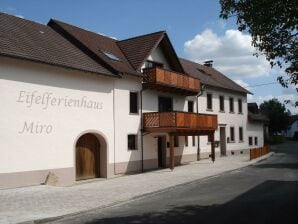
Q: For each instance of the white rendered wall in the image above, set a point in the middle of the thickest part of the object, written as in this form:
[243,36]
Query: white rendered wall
[158,56]
[255,129]
[126,123]
[25,149]
[225,119]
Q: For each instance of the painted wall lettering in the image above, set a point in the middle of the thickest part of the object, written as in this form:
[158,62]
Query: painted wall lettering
[35,128]
[48,99]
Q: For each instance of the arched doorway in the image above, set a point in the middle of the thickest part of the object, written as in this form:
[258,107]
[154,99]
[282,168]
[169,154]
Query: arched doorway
[87,157]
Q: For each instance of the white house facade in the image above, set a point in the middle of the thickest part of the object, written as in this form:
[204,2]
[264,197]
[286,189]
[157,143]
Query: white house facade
[80,105]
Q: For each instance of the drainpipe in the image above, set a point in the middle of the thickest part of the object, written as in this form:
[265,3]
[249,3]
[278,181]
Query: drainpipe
[114,128]
[142,141]
[199,94]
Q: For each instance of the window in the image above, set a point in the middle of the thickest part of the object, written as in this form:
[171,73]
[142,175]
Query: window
[250,141]
[190,106]
[153,64]
[209,101]
[186,141]
[221,103]
[165,104]
[176,141]
[240,134]
[231,99]
[232,134]
[132,142]
[209,138]
[240,106]
[111,56]
[256,140]
[193,140]
[133,103]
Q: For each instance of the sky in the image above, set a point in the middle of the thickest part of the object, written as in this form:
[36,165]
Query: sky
[194,27]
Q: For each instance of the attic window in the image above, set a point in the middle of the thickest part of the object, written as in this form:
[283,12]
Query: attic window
[111,56]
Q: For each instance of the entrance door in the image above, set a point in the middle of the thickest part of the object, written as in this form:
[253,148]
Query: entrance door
[161,151]
[165,104]
[223,145]
[87,157]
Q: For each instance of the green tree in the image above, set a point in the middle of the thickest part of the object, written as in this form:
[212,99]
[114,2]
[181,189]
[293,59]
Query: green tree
[278,115]
[273,25]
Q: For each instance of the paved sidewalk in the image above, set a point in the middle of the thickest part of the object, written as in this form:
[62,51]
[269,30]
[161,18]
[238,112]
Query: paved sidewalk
[39,202]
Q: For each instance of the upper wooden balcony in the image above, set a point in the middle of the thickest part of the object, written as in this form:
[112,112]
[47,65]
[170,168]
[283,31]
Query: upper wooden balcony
[182,122]
[169,81]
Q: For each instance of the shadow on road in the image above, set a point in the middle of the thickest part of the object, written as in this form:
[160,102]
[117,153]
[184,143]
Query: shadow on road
[278,165]
[270,202]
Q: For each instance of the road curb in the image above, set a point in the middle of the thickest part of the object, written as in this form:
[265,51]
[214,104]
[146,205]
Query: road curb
[57,218]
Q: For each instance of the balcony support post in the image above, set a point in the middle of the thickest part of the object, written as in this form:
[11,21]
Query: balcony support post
[172,156]
[212,147]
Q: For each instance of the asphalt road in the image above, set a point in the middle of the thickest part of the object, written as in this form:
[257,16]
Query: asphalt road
[266,192]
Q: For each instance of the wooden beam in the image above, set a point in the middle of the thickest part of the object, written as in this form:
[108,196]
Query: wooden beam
[212,147]
[172,156]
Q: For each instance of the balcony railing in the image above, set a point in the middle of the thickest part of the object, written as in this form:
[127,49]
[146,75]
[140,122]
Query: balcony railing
[179,120]
[169,81]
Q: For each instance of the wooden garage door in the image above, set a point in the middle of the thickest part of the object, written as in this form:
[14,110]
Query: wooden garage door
[87,157]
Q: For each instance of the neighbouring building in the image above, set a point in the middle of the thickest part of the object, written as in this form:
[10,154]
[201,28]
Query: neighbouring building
[81,105]
[257,126]
[292,132]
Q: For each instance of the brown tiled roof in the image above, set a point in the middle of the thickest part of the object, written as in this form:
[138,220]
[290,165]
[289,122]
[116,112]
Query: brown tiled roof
[137,49]
[257,117]
[210,76]
[28,40]
[94,45]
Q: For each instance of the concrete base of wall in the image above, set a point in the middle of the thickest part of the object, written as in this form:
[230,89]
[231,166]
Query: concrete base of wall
[36,177]
[66,176]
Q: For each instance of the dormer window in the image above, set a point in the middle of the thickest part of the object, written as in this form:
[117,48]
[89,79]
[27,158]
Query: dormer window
[110,55]
[153,64]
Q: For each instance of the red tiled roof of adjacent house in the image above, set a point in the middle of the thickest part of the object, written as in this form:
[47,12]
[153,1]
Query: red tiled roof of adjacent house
[65,45]
[210,76]
[258,117]
[95,45]
[28,40]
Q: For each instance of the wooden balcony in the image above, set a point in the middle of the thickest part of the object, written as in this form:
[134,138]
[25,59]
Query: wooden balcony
[179,122]
[169,81]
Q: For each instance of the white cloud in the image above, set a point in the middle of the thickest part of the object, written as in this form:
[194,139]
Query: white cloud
[232,53]
[102,34]
[243,84]
[20,16]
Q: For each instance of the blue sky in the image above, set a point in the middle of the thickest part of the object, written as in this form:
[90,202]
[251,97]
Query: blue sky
[193,26]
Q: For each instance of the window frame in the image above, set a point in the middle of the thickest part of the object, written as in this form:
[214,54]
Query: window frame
[231,104]
[250,141]
[241,139]
[192,103]
[207,101]
[137,103]
[232,128]
[240,105]
[154,64]
[256,140]
[221,103]
[135,142]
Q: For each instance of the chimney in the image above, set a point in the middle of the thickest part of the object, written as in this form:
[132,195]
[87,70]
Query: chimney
[208,63]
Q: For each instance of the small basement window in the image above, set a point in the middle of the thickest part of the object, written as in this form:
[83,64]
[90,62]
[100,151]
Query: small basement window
[132,142]
[111,55]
